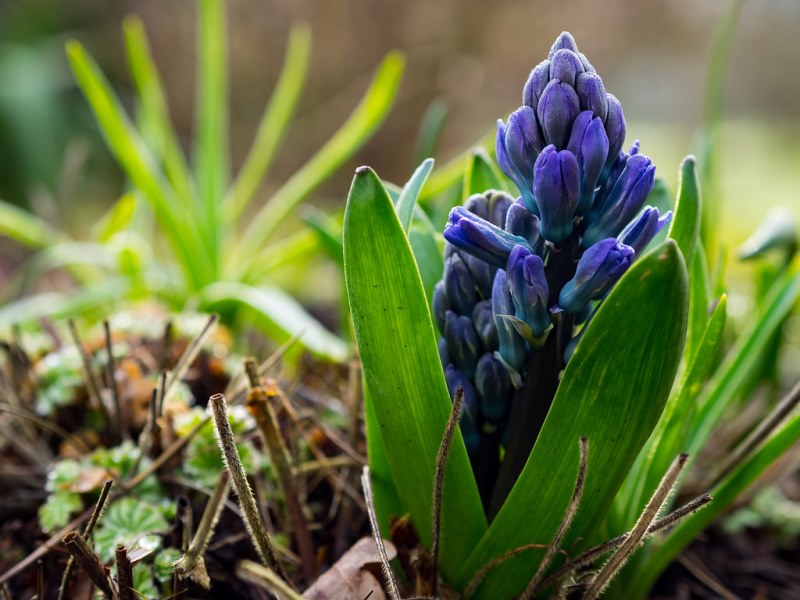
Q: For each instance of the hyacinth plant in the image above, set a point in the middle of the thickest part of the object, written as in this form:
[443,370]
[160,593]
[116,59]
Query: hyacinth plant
[561,317]
[183,234]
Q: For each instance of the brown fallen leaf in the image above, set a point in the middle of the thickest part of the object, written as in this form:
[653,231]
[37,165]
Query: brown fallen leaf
[355,575]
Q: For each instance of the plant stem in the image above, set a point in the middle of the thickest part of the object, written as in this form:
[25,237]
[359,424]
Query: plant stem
[124,574]
[88,560]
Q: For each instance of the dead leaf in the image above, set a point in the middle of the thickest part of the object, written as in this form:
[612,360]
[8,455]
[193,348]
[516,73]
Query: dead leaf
[355,575]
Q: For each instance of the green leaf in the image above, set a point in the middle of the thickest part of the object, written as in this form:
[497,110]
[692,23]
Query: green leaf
[402,371]
[359,127]
[699,302]
[177,223]
[279,315]
[724,494]
[430,128]
[451,175]
[685,228]
[329,231]
[58,305]
[116,218]
[671,436]
[745,357]
[613,391]
[408,197]
[481,174]
[130,522]
[387,500]
[154,108]
[211,153]
[274,123]
[428,255]
[58,509]
[26,228]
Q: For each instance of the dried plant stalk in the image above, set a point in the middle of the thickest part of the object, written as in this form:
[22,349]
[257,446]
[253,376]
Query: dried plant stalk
[92,385]
[438,484]
[386,567]
[185,566]
[252,520]
[266,578]
[88,560]
[111,369]
[124,574]
[99,507]
[572,508]
[634,538]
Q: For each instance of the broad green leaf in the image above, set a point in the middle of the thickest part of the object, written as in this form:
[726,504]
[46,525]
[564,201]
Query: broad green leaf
[211,151]
[387,500]
[127,146]
[685,228]
[481,174]
[26,228]
[430,128]
[274,123]
[428,256]
[671,436]
[724,494]
[154,108]
[740,363]
[408,197]
[359,127]
[116,218]
[279,315]
[613,391]
[402,371]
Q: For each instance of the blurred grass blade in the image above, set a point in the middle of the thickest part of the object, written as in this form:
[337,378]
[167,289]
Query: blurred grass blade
[745,357]
[408,197]
[402,371]
[58,305]
[451,174]
[329,232]
[481,174]
[153,104]
[685,228]
[211,153]
[278,315]
[176,221]
[724,495]
[116,218]
[299,246]
[642,323]
[25,227]
[430,129]
[273,125]
[359,127]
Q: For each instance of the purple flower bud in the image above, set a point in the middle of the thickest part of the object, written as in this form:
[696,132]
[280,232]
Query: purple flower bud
[461,292]
[615,130]
[444,355]
[537,81]
[498,204]
[641,231]
[625,200]
[607,180]
[478,204]
[528,286]
[494,388]
[480,238]
[482,272]
[556,185]
[589,144]
[564,40]
[586,64]
[469,409]
[598,270]
[592,94]
[483,319]
[522,222]
[565,66]
[557,109]
[517,150]
[512,346]
[463,344]
[441,303]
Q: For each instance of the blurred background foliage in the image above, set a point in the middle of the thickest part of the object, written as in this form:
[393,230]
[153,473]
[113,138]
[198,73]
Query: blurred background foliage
[465,56]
